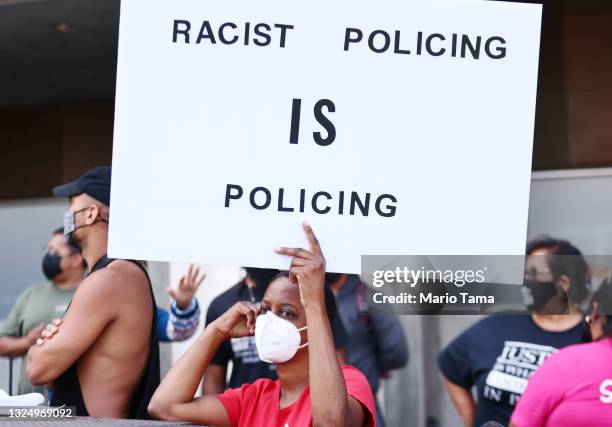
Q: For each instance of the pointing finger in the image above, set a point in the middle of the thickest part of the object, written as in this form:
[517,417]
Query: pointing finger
[315,248]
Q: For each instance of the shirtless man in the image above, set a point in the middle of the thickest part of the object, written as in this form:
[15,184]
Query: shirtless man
[103,357]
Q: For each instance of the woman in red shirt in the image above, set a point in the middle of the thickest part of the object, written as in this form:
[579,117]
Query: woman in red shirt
[292,330]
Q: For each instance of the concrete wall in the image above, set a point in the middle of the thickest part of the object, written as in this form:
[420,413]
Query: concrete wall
[25,229]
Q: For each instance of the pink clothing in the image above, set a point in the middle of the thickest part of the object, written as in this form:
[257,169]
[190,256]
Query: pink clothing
[573,388]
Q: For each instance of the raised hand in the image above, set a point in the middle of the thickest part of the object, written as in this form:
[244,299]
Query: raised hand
[307,269]
[187,287]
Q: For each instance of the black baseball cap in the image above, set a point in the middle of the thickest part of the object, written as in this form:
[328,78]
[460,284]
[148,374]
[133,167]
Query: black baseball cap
[95,183]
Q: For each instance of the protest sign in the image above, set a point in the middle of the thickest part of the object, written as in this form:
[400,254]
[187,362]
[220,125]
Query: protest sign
[392,127]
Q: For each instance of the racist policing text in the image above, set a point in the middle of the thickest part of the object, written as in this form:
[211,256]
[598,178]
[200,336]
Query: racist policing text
[379,41]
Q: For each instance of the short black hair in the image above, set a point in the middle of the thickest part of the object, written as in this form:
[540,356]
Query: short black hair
[261,276]
[330,299]
[565,259]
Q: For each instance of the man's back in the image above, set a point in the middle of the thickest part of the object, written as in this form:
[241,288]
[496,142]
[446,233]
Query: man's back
[105,346]
[110,370]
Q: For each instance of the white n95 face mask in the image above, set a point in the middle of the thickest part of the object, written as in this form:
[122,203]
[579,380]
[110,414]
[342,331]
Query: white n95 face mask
[277,340]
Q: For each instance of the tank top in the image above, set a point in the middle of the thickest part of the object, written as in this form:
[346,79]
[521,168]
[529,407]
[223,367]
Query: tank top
[67,389]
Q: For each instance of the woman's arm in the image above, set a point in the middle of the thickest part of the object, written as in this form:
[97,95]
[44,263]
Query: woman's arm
[464,402]
[331,404]
[214,380]
[174,398]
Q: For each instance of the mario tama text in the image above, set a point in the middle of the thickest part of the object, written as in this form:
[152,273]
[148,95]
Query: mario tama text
[433,285]
[418,279]
[212,33]
[432,298]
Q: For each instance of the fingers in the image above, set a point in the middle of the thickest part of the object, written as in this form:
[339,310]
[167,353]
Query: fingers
[50,330]
[250,311]
[315,248]
[172,293]
[298,262]
[194,276]
[201,280]
[295,268]
[191,280]
[295,274]
[294,252]
[189,271]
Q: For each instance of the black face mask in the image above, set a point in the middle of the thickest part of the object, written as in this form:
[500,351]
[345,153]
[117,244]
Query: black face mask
[537,294]
[51,265]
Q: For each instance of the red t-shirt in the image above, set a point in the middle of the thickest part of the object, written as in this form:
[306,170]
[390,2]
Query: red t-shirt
[257,404]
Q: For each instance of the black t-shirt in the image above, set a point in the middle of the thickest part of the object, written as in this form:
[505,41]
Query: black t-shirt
[498,355]
[242,351]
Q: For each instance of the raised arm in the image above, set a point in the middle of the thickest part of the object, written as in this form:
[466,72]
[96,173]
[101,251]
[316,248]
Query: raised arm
[331,404]
[174,398]
[91,310]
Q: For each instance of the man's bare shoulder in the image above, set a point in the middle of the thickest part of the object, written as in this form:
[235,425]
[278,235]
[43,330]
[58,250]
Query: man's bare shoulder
[118,278]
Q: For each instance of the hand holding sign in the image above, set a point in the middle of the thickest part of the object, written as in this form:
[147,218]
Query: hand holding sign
[307,269]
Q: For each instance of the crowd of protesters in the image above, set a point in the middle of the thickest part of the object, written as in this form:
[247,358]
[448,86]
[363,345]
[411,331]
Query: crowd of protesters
[301,350]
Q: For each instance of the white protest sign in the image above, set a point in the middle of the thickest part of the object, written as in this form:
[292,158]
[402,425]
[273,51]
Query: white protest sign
[392,127]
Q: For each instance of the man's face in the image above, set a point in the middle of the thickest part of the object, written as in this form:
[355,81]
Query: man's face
[79,202]
[84,211]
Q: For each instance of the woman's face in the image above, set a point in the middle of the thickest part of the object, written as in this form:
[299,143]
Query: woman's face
[283,299]
[536,266]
